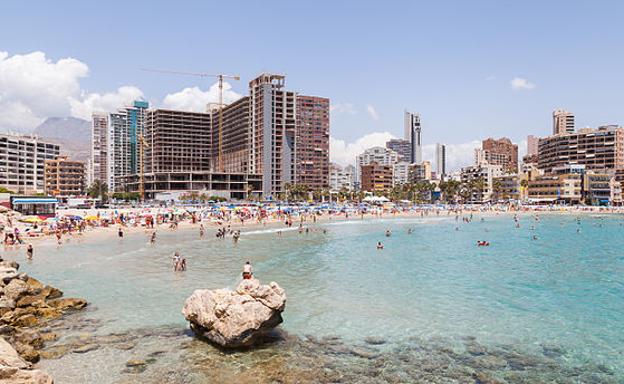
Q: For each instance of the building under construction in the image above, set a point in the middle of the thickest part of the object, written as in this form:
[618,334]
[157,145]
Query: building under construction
[255,145]
[178,148]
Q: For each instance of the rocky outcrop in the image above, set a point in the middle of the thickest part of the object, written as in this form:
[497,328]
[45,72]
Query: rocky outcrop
[26,305]
[235,319]
[15,370]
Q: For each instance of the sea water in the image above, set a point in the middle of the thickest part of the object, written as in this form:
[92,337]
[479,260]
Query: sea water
[551,291]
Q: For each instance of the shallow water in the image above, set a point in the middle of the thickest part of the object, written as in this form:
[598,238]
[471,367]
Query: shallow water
[433,297]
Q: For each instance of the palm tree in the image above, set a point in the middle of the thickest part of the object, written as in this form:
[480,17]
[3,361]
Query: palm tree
[98,189]
[497,187]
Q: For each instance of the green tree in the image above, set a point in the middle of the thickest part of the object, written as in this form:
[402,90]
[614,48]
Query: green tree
[4,190]
[497,188]
[98,189]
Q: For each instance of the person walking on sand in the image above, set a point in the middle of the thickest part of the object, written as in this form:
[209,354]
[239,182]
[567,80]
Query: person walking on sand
[201,231]
[247,271]
[153,238]
[120,233]
[29,252]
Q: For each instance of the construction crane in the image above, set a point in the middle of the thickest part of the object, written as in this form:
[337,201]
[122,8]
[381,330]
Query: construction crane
[220,78]
[142,144]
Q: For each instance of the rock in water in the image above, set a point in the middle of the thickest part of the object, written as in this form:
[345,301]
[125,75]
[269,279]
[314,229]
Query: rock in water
[235,319]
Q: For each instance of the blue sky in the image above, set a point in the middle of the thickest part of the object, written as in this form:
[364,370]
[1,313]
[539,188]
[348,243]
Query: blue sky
[452,61]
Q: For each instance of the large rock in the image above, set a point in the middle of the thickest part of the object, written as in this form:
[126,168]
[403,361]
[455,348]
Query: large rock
[235,319]
[14,370]
[16,289]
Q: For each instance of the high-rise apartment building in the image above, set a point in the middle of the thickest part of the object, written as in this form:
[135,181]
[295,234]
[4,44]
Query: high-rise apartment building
[273,131]
[440,161]
[379,155]
[532,143]
[312,142]
[500,152]
[98,165]
[400,173]
[64,177]
[376,177]
[420,172]
[22,162]
[412,128]
[563,122]
[596,149]
[402,147]
[341,178]
[124,132]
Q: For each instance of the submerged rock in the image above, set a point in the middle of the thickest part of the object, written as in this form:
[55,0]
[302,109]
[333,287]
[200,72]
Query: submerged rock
[239,318]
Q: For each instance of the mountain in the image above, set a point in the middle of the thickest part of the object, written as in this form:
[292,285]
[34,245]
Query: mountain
[73,135]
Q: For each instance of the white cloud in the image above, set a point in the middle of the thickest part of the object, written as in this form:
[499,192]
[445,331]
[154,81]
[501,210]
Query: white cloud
[344,153]
[107,102]
[457,155]
[347,108]
[518,83]
[372,112]
[195,100]
[33,87]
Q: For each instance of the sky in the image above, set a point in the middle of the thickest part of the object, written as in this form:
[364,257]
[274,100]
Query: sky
[472,69]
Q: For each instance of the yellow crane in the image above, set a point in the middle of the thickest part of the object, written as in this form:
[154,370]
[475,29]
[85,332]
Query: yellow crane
[220,78]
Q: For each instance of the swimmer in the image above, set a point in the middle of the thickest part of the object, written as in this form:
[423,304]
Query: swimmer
[201,231]
[409,231]
[380,245]
[388,233]
[176,261]
[120,232]
[29,252]
[247,271]
[153,238]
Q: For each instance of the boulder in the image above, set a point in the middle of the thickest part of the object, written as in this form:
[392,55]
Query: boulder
[7,274]
[51,292]
[67,303]
[16,289]
[9,264]
[34,283]
[15,370]
[235,319]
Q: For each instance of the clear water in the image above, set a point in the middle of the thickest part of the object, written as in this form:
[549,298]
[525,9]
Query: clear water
[563,289]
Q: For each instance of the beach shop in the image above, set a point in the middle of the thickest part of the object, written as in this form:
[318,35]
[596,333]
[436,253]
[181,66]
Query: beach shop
[38,206]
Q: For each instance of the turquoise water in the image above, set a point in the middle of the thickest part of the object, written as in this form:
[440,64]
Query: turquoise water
[562,290]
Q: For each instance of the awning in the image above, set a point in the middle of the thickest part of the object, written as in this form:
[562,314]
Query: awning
[34,201]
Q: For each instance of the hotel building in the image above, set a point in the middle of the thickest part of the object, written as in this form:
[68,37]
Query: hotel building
[64,177]
[22,162]
[596,149]
[376,177]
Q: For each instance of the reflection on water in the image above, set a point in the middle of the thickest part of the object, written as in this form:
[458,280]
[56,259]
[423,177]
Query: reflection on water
[443,307]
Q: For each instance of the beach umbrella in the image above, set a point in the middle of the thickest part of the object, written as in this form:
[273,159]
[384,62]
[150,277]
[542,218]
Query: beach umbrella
[92,217]
[31,219]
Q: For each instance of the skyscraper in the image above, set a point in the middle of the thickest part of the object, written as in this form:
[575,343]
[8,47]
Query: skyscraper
[312,142]
[440,160]
[563,122]
[273,129]
[413,134]
[532,143]
[124,131]
[99,148]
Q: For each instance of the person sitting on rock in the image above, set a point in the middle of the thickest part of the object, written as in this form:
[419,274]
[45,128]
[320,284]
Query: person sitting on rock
[247,273]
